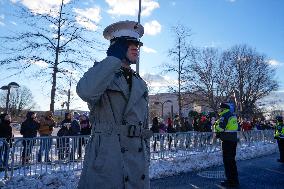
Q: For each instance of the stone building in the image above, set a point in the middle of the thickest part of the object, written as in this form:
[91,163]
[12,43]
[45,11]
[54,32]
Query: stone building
[167,104]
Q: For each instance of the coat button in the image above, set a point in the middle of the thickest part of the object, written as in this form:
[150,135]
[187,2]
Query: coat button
[143,177]
[140,149]
[126,179]
[123,150]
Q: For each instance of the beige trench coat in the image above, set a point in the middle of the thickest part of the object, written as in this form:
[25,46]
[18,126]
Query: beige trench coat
[118,154]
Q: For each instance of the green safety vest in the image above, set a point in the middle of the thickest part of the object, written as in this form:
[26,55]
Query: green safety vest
[232,124]
[279,130]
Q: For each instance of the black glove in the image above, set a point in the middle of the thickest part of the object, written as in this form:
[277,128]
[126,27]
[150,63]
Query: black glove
[118,49]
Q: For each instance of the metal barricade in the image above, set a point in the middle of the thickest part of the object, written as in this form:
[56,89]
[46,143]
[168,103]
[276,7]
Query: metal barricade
[32,156]
[4,157]
[35,156]
[189,143]
[182,144]
[256,137]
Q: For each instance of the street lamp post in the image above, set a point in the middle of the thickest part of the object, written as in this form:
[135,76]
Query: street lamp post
[162,103]
[139,17]
[8,88]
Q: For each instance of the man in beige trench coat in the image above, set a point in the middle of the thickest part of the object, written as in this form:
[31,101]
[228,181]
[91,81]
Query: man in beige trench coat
[118,154]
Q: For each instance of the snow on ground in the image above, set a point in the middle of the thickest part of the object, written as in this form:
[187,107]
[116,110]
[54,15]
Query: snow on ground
[158,168]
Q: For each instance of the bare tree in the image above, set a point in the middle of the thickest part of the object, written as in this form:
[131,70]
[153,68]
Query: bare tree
[20,99]
[53,39]
[239,75]
[149,80]
[180,55]
[253,76]
[201,79]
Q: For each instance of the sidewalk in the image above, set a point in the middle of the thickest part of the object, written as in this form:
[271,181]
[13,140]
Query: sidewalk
[261,173]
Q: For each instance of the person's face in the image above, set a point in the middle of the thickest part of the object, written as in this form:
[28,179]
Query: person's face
[132,52]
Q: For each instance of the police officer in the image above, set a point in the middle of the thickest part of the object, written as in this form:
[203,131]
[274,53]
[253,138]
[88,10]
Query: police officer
[226,128]
[279,135]
[117,155]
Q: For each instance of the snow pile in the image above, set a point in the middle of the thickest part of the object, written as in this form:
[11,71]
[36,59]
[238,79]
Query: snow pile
[170,167]
[258,150]
[64,180]
[158,168]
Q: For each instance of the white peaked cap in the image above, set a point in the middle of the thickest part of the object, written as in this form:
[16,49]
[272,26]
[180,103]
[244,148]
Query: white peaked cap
[124,29]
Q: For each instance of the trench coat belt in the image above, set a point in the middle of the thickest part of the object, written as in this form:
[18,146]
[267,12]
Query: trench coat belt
[133,131]
[129,130]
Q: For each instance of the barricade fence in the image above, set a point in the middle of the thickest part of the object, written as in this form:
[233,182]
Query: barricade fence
[36,156]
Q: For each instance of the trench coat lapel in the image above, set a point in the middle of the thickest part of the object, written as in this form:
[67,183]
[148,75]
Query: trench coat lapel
[138,89]
[121,83]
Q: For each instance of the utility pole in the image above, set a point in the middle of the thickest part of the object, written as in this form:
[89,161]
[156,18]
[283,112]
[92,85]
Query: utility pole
[68,94]
[139,15]
[179,77]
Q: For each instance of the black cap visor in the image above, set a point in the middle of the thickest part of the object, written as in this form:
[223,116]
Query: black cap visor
[130,40]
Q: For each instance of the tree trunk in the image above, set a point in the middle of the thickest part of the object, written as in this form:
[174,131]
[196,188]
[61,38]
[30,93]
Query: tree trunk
[179,84]
[55,68]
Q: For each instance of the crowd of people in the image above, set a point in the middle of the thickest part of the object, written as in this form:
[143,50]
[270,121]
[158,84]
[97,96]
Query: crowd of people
[203,122]
[43,126]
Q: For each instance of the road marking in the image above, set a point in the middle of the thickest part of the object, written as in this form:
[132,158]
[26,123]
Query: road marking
[275,171]
[220,186]
[194,186]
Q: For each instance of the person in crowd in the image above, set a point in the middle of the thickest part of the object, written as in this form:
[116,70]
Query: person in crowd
[212,121]
[207,124]
[62,142]
[119,97]
[279,136]
[155,129]
[171,132]
[162,127]
[47,124]
[7,134]
[246,125]
[75,131]
[182,126]
[75,124]
[196,123]
[162,132]
[226,128]
[203,122]
[86,129]
[268,124]
[188,124]
[262,125]
[5,127]
[29,130]
[177,124]
[169,122]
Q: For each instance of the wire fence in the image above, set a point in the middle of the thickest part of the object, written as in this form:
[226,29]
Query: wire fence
[36,156]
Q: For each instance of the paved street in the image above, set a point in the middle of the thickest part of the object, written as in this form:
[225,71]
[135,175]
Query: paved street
[260,173]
